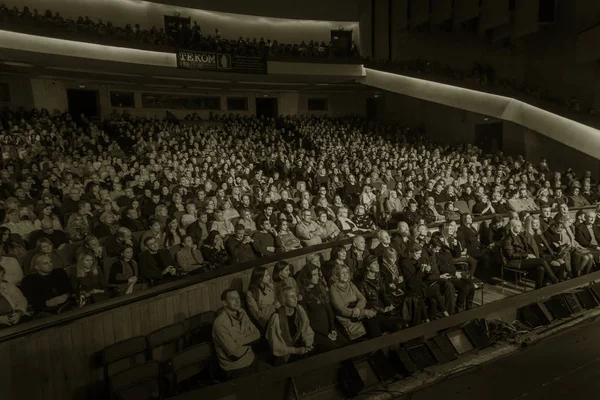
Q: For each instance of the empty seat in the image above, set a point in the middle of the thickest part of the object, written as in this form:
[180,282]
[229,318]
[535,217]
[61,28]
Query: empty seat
[138,383]
[191,366]
[124,355]
[199,327]
[165,342]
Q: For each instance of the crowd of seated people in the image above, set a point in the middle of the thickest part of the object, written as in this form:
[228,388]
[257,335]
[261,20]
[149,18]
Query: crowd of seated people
[92,212]
[180,36]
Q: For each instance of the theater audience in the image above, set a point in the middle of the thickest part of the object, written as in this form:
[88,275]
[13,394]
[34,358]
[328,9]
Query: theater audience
[155,264]
[356,255]
[88,280]
[13,305]
[47,230]
[261,299]
[316,303]
[285,239]
[233,334]
[13,273]
[240,246]
[283,277]
[123,276]
[11,245]
[47,289]
[582,260]
[349,304]
[189,257]
[518,249]
[289,332]
[213,250]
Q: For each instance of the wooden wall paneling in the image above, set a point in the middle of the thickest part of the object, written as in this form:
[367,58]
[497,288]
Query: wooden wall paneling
[144,319]
[8,382]
[109,327]
[184,305]
[59,348]
[42,357]
[153,317]
[80,375]
[192,294]
[212,295]
[25,363]
[119,323]
[134,322]
[161,313]
[99,344]
[174,309]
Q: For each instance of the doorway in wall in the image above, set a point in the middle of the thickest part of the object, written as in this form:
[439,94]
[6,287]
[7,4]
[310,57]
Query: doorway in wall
[83,102]
[372,108]
[488,137]
[267,107]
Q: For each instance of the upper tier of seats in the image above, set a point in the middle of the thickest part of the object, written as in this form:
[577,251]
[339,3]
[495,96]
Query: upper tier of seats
[181,36]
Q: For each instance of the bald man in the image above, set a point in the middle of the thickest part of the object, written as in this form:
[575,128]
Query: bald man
[48,289]
[520,251]
[58,238]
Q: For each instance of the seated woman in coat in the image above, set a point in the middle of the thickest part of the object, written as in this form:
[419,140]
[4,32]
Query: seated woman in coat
[88,280]
[316,303]
[350,307]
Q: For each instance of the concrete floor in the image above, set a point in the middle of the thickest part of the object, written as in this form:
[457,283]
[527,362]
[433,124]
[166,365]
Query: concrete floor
[566,366]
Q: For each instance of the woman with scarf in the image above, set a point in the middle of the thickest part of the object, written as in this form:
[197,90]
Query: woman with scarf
[412,307]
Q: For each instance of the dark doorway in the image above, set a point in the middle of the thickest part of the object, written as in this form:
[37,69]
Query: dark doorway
[83,102]
[372,108]
[267,108]
[488,137]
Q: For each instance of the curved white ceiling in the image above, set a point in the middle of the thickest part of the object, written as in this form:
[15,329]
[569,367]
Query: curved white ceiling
[573,134]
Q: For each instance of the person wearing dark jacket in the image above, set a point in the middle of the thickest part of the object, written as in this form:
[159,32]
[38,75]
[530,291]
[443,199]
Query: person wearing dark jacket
[316,303]
[442,258]
[414,269]
[413,307]
[401,241]
[49,288]
[239,246]
[588,234]
[468,235]
[371,285]
[518,251]
[155,264]
[263,240]
[357,254]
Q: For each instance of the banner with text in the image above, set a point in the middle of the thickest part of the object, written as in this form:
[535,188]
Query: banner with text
[192,59]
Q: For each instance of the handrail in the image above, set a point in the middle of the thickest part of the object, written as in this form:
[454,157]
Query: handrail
[299,367]
[28,328]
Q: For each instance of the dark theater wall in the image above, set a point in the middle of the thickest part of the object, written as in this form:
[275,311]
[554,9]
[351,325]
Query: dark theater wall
[335,10]
[450,125]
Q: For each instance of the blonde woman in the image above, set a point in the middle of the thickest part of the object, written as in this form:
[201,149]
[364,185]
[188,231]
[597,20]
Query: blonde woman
[88,280]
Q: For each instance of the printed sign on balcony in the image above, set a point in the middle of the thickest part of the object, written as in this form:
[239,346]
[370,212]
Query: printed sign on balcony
[191,59]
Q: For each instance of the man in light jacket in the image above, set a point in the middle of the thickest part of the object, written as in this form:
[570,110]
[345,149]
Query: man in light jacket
[233,333]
